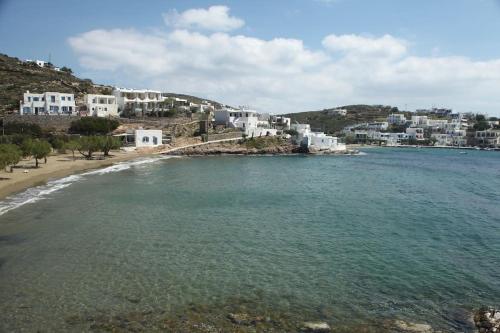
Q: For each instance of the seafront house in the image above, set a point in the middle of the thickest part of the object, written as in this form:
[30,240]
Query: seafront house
[101,105]
[316,140]
[48,103]
[137,101]
[489,138]
[148,138]
[415,133]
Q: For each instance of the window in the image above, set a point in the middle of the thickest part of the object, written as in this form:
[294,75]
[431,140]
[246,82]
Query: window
[69,98]
[63,98]
[145,139]
[35,99]
[29,99]
[102,101]
[65,109]
[53,99]
[26,110]
[246,115]
[54,108]
[155,140]
[105,109]
[94,100]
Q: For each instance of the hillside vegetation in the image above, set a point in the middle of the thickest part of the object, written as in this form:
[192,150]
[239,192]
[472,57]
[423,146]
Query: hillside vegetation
[325,122]
[17,76]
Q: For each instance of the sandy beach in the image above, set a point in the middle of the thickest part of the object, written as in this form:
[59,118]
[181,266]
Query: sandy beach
[57,166]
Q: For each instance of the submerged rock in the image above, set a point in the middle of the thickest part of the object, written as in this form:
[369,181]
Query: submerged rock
[245,319]
[413,327]
[315,327]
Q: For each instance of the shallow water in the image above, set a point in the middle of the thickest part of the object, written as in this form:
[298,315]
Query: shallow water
[396,233]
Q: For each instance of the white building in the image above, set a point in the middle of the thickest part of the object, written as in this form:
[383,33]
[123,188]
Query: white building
[415,133]
[101,105]
[437,123]
[237,118]
[148,138]
[490,138]
[377,126]
[417,121]
[281,122]
[316,140]
[137,101]
[49,103]
[337,112]
[397,119]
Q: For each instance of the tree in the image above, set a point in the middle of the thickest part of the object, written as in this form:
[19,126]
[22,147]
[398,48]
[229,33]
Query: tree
[66,70]
[72,145]
[481,126]
[10,155]
[93,126]
[27,147]
[88,145]
[39,150]
[108,143]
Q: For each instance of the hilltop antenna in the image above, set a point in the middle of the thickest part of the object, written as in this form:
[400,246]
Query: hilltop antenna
[50,58]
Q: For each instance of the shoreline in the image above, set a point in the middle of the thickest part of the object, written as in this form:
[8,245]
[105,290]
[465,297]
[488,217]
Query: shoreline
[57,167]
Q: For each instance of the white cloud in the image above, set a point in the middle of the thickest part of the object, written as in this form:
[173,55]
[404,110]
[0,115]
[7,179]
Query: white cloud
[215,18]
[283,75]
[386,46]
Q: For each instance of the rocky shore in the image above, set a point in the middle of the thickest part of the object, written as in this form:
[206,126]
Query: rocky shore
[258,146]
[487,320]
[207,320]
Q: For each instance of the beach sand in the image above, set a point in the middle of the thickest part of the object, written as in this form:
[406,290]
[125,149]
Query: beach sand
[58,166]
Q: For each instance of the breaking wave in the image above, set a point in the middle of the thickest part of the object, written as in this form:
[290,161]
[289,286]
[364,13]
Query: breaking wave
[37,193]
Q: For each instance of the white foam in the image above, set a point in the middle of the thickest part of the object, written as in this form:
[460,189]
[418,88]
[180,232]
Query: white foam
[41,192]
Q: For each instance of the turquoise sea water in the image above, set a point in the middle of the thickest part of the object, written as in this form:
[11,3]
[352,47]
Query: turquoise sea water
[396,233]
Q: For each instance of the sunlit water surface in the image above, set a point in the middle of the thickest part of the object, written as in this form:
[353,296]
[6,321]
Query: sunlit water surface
[396,233]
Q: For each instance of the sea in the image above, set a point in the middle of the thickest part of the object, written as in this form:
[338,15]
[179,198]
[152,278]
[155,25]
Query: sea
[181,244]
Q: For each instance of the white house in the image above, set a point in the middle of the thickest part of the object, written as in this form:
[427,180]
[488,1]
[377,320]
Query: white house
[137,100]
[415,133]
[337,112]
[237,118]
[148,138]
[49,103]
[417,121]
[101,105]
[281,122]
[396,118]
[316,140]
[377,126]
[489,138]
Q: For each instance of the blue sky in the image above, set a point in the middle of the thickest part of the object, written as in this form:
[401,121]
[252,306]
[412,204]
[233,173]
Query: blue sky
[461,34]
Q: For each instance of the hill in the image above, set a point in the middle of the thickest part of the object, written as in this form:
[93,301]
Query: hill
[326,122]
[17,76]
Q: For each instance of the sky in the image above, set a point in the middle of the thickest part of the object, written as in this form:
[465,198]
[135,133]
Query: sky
[276,56]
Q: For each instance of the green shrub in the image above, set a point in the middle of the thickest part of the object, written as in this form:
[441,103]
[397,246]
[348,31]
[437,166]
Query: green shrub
[93,126]
[20,128]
